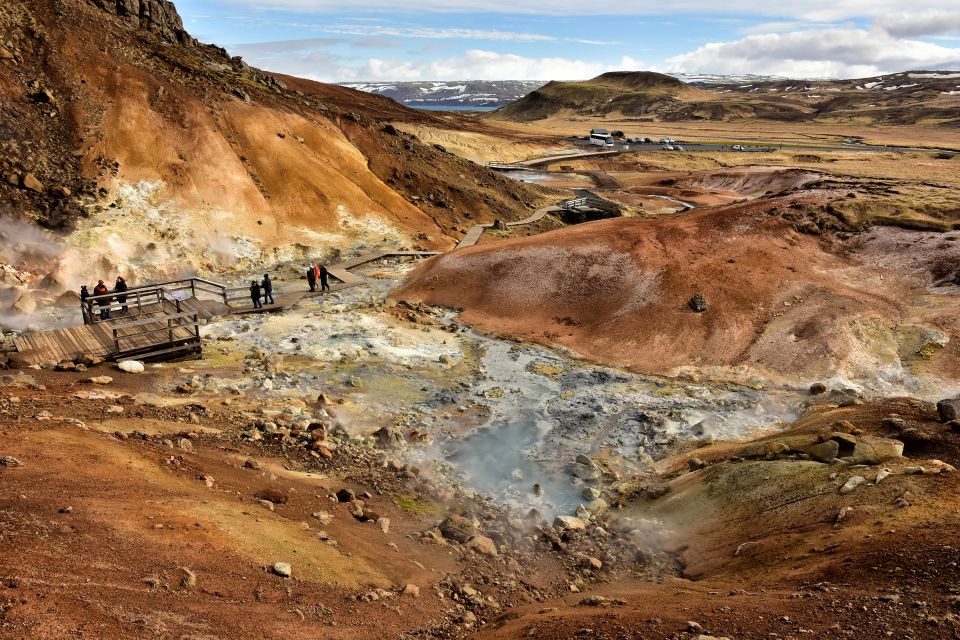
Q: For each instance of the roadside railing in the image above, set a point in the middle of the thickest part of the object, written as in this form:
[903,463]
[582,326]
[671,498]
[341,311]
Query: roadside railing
[137,300]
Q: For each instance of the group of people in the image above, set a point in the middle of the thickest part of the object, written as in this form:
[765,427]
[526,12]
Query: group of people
[261,293]
[263,288]
[318,272]
[104,303]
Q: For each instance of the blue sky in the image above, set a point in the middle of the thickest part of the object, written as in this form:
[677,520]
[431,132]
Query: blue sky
[382,40]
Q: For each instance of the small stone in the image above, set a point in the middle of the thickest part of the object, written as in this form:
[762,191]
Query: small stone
[883,473]
[323,517]
[207,480]
[100,380]
[188,579]
[115,408]
[250,463]
[695,464]
[411,590]
[457,528]
[282,569]
[266,504]
[30,182]
[346,495]
[67,509]
[10,461]
[384,524]
[817,388]
[851,484]
[274,495]
[593,563]
[698,303]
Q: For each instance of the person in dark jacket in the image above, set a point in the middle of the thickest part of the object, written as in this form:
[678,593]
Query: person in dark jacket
[312,277]
[255,295]
[267,286]
[103,303]
[84,296]
[121,287]
[324,274]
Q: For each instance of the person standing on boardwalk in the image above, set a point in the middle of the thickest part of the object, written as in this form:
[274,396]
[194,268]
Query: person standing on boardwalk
[255,295]
[103,303]
[312,276]
[324,274]
[267,285]
[120,287]
[84,295]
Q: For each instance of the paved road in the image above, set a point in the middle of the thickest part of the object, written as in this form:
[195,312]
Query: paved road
[695,146]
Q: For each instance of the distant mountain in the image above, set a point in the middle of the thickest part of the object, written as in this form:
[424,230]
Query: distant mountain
[931,97]
[459,94]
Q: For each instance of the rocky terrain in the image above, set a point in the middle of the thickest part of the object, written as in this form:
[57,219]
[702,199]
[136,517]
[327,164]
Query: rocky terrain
[919,97]
[728,412]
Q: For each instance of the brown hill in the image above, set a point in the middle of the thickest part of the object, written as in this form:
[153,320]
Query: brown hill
[161,153]
[617,291]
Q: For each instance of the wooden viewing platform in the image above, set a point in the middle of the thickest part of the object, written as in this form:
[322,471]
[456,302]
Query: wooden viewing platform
[161,321]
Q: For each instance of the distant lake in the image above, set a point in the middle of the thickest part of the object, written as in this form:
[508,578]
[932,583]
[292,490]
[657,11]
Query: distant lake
[447,107]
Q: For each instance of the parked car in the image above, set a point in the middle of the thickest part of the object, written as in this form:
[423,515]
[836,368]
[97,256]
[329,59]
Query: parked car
[667,147]
[677,147]
[738,147]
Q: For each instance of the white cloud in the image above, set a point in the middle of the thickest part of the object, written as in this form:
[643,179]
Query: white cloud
[449,34]
[481,65]
[918,24]
[842,53]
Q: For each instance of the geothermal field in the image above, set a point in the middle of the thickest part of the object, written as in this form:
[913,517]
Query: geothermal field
[695,381]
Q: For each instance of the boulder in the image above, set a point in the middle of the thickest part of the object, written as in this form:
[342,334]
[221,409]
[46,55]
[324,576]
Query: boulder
[131,366]
[389,437]
[825,451]
[282,569]
[569,523]
[949,410]
[483,545]
[873,450]
[458,528]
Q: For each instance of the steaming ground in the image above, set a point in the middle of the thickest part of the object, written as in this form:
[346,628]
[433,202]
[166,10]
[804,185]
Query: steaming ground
[503,416]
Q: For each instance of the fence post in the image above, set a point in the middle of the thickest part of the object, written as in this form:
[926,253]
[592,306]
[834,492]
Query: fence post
[116,341]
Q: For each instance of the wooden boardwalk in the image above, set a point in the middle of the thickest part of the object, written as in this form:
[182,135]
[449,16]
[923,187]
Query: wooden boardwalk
[167,326]
[474,232]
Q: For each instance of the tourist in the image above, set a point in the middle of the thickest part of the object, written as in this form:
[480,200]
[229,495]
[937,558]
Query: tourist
[324,285]
[103,303]
[84,295]
[255,295]
[312,276]
[121,287]
[267,285]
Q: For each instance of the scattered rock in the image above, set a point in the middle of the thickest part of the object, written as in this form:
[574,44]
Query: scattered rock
[411,590]
[569,523]
[948,410]
[817,388]
[188,579]
[30,182]
[276,496]
[10,461]
[389,437]
[250,463]
[851,484]
[384,524]
[695,464]
[282,569]
[483,545]
[346,495]
[131,366]
[883,473]
[100,380]
[698,303]
[324,517]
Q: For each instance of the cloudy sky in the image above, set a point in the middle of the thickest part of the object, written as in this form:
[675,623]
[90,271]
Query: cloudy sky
[390,40]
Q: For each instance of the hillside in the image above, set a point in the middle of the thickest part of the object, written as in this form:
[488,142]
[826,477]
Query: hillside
[919,97]
[148,153]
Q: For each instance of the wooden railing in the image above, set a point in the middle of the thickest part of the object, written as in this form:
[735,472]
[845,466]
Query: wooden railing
[135,299]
